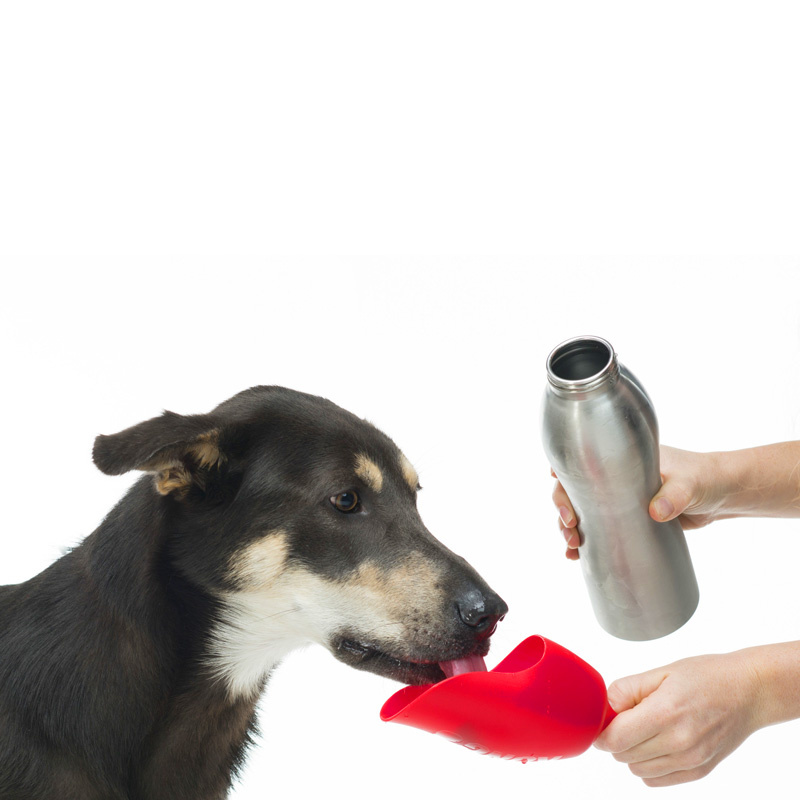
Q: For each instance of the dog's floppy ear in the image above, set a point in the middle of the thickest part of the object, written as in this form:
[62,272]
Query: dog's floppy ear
[181,451]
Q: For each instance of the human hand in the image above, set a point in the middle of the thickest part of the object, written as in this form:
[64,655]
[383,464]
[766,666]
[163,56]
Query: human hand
[676,723]
[692,491]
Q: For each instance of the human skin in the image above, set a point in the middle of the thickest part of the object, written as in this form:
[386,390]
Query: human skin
[676,723]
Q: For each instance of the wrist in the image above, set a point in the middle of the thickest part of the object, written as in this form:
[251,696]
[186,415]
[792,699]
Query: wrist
[725,477]
[772,673]
[758,482]
[714,489]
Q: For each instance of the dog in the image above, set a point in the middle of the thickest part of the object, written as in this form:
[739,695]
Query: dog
[130,669]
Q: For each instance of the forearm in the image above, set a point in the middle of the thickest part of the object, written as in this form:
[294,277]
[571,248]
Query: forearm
[776,671]
[760,481]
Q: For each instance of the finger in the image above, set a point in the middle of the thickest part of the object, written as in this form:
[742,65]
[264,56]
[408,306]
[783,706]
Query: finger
[655,770]
[653,749]
[634,725]
[567,521]
[662,508]
[573,539]
[667,772]
[571,535]
[679,776]
[629,692]
[671,500]
[565,510]
[623,736]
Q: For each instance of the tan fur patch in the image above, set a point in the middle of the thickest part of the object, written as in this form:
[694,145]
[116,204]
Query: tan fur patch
[413,583]
[409,473]
[369,472]
[261,563]
[398,608]
[173,476]
[206,449]
[173,479]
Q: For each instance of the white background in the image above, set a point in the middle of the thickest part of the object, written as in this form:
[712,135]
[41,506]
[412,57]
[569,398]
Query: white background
[404,207]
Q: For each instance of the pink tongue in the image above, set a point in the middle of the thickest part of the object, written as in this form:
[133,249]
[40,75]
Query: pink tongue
[462,665]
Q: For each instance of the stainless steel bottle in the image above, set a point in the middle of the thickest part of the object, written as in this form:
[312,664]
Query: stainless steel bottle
[601,436]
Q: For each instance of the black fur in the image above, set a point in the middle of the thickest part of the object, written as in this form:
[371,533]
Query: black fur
[105,692]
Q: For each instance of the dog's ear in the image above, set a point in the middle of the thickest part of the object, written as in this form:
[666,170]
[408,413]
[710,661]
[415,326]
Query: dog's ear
[182,451]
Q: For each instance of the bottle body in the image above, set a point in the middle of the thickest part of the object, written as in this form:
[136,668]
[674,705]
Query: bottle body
[600,433]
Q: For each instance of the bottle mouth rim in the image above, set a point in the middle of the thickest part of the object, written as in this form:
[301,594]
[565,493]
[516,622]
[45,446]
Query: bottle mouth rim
[581,363]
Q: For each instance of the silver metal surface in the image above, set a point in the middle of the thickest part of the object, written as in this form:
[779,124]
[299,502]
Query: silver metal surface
[601,435]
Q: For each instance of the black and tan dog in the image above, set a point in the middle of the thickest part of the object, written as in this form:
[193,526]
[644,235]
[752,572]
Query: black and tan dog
[130,668]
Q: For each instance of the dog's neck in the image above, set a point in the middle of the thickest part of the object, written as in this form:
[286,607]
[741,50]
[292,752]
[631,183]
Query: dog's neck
[161,639]
[255,633]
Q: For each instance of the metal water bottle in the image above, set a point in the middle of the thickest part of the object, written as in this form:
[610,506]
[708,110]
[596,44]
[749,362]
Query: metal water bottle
[601,436]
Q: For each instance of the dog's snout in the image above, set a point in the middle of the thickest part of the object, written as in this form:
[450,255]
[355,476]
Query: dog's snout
[481,611]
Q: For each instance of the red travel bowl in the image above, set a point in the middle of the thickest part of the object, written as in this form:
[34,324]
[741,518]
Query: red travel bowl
[541,702]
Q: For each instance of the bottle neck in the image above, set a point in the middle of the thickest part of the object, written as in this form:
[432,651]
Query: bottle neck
[582,364]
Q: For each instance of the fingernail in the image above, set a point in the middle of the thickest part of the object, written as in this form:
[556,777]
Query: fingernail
[565,514]
[663,507]
[573,540]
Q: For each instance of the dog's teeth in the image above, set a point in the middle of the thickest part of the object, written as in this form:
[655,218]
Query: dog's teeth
[461,665]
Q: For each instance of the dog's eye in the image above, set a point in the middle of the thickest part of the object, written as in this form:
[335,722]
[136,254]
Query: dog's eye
[346,502]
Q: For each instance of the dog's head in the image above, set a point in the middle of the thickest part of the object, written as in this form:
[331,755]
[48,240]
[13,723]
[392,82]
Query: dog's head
[301,520]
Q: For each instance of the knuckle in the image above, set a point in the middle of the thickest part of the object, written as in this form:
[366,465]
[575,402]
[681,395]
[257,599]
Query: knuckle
[612,742]
[701,755]
[617,692]
[701,772]
[681,745]
[683,742]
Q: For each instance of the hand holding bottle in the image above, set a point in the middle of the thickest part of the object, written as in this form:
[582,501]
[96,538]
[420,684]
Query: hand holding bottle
[700,488]
[676,723]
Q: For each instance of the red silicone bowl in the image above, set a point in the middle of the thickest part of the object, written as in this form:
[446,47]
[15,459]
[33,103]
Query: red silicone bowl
[541,702]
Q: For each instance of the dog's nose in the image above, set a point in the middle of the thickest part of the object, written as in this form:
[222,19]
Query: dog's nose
[481,611]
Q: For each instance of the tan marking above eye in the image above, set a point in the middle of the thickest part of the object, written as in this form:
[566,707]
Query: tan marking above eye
[369,472]
[409,473]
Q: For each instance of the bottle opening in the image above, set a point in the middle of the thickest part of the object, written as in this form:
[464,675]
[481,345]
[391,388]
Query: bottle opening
[579,362]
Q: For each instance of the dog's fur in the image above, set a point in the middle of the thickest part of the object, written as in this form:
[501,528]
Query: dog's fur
[130,668]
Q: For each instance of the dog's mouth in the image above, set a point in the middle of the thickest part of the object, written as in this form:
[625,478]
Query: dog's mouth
[371,658]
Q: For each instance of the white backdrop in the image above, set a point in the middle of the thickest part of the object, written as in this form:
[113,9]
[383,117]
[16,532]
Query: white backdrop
[450,361]
[404,207]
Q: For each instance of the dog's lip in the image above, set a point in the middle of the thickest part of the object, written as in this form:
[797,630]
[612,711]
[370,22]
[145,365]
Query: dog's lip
[364,651]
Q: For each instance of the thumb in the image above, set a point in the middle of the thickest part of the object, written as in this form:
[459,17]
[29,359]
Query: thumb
[626,693]
[670,501]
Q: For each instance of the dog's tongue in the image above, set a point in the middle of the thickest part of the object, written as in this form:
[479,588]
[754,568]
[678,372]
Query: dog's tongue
[462,665]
